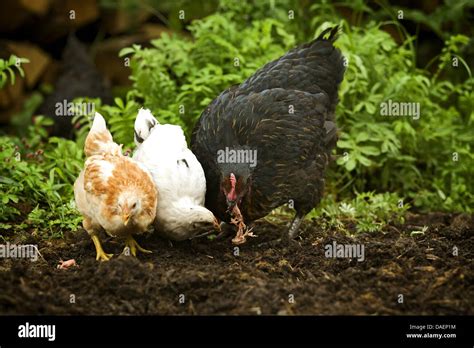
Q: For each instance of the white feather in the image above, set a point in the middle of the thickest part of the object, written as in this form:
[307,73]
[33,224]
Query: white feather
[179,179]
[98,125]
[144,123]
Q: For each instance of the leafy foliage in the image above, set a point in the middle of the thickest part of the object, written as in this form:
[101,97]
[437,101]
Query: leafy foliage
[36,181]
[367,212]
[449,13]
[177,78]
[428,159]
[120,118]
[9,66]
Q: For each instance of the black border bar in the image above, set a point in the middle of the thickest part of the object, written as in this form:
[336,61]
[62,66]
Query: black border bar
[262,330]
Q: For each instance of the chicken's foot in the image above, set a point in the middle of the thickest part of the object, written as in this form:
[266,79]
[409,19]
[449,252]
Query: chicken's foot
[101,255]
[132,244]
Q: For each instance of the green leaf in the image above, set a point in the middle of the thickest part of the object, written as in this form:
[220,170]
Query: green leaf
[441,194]
[350,164]
[369,150]
[125,51]
[364,160]
[12,75]
[362,136]
[119,103]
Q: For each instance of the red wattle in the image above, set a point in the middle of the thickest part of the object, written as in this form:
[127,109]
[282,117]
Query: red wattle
[232,196]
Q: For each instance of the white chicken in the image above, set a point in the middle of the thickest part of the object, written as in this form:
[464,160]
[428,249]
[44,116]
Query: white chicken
[178,176]
[113,192]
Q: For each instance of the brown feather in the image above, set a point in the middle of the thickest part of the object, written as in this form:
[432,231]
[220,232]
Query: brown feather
[94,140]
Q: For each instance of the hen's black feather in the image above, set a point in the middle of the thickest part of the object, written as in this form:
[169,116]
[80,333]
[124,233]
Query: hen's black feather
[78,78]
[293,148]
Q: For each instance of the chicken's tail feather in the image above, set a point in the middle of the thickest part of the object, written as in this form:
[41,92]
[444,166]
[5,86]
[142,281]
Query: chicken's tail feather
[334,33]
[314,67]
[99,141]
[144,123]
[328,64]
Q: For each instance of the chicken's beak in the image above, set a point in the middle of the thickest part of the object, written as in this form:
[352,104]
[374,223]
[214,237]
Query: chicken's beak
[125,218]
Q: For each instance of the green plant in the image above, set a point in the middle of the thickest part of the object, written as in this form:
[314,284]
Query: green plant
[36,181]
[120,119]
[176,78]
[424,153]
[21,120]
[9,65]
[367,212]
[449,13]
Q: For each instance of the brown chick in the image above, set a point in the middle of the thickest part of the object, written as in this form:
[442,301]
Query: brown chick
[113,192]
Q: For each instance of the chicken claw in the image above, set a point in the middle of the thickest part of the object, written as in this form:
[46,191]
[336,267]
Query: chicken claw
[240,238]
[133,246]
[101,255]
[242,230]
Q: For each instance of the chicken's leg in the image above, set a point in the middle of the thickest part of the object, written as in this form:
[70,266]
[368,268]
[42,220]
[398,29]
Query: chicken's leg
[93,230]
[101,255]
[288,238]
[295,225]
[132,244]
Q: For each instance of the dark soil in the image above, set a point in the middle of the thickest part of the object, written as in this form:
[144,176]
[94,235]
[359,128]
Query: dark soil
[263,279]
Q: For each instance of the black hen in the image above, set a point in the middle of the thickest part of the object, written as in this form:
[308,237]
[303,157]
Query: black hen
[285,112]
[78,78]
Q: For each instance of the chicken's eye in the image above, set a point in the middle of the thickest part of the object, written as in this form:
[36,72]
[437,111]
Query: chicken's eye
[134,205]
